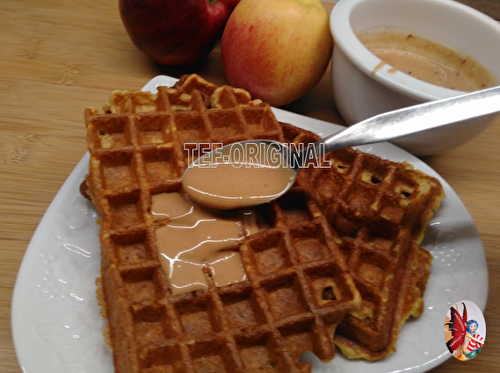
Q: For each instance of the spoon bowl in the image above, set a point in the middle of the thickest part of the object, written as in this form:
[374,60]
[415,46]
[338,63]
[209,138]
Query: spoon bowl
[241,174]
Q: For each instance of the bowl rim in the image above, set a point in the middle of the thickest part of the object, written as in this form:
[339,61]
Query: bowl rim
[367,62]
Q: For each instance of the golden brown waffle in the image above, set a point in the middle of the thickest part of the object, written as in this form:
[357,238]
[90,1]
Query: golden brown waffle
[298,288]
[380,209]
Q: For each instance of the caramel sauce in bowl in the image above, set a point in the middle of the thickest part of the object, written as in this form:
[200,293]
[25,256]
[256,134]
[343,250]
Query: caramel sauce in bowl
[364,85]
[427,60]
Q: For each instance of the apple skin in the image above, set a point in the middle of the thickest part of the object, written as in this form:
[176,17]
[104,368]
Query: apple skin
[175,32]
[277,50]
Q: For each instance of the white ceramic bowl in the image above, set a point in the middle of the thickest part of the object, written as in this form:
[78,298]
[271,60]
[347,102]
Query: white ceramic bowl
[360,94]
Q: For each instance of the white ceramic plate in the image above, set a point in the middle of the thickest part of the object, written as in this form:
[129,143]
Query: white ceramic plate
[55,317]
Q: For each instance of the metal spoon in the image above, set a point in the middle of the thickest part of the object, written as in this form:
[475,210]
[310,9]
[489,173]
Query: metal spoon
[383,127]
[414,119]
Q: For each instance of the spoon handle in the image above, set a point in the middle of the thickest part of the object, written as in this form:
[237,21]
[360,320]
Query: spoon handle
[413,119]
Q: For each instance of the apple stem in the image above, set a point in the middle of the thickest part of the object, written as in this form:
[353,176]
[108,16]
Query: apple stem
[212,2]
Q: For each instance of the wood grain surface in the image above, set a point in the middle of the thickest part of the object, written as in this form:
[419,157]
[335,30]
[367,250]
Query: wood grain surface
[59,56]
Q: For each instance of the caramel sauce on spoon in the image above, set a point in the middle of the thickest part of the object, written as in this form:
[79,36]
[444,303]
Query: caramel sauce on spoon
[239,175]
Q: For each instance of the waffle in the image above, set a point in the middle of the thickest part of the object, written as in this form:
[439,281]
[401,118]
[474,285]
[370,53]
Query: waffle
[298,287]
[348,230]
[380,209]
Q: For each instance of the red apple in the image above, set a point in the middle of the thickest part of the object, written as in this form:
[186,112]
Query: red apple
[173,32]
[276,50]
